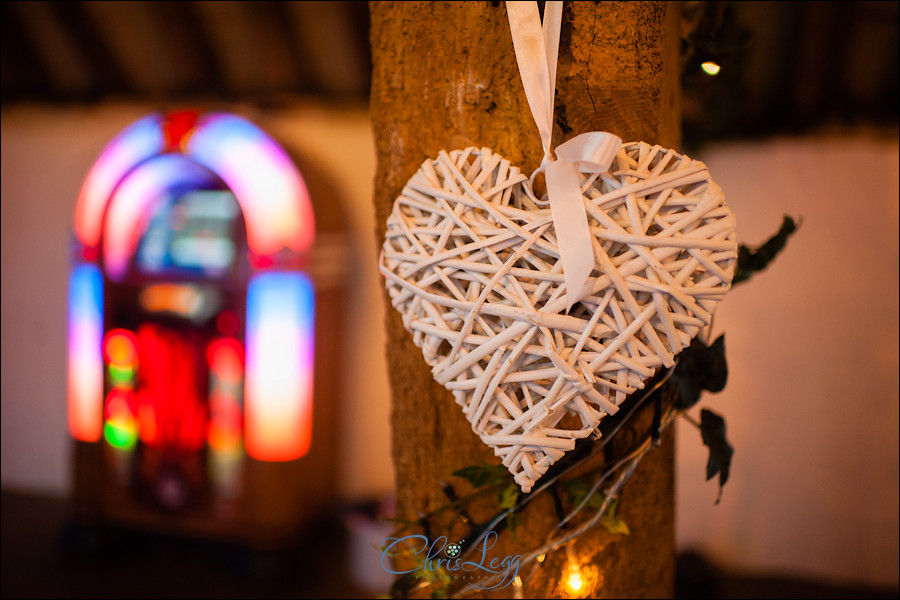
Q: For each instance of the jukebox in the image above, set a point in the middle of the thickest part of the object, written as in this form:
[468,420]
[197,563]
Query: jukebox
[191,318]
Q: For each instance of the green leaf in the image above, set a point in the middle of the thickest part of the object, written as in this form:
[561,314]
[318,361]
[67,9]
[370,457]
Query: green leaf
[513,520]
[615,525]
[751,261]
[611,521]
[509,496]
[576,489]
[596,500]
[712,428]
[483,475]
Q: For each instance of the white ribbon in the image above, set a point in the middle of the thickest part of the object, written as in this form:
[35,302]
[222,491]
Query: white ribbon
[536,54]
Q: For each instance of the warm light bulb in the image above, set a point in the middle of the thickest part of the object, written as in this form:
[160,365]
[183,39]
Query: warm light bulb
[711,68]
[517,588]
[575,582]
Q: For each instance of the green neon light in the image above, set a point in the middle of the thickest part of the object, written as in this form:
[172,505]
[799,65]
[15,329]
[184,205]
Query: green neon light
[121,376]
[119,436]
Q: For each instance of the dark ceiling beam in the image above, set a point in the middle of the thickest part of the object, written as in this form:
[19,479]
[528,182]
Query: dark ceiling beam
[107,72]
[304,79]
[278,69]
[192,66]
[23,73]
[66,69]
[187,29]
[233,41]
[335,52]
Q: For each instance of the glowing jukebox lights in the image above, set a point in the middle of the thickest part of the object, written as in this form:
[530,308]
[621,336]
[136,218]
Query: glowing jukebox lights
[259,400]
[226,365]
[270,190]
[85,377]
[120,351]
[137,143]
[279,366]
[121,427]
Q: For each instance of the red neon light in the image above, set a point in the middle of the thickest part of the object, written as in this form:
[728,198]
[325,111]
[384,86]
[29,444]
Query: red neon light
[226,360]
[120,348]
[147,428]
[178,128]
[228,323]
[169,390]
[226,422]
[226,364]
[119,404]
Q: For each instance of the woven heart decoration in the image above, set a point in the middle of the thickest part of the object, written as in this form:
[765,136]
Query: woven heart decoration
[472,262]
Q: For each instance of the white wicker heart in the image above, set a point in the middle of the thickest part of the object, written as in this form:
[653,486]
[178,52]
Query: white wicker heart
[472,263]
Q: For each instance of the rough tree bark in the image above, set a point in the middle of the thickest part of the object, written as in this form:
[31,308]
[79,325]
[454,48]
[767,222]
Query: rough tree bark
[445,77]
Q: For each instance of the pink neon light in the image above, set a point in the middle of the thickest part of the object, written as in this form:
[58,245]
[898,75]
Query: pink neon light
[278,390]
[137,143]
[85,377]
[132,204]
[268,187]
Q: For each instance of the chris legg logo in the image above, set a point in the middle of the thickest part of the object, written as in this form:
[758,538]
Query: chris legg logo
[470,570]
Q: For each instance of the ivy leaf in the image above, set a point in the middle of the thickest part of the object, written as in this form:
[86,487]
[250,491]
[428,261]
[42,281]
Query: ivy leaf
[750,261]
[512,521]
[611,521]
[509,496]
[700,367]
[576,489]
[483,475]
[712,428]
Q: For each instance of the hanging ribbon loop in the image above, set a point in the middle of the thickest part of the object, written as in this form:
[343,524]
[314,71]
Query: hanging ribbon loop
[537,49]
[591,152]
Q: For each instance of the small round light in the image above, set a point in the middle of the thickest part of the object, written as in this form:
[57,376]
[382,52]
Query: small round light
[575,582]
[711,68]
[120,348]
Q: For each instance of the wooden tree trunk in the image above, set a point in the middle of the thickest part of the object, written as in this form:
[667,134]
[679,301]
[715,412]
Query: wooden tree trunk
[445,77]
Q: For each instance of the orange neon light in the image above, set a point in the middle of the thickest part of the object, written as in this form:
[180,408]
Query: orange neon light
[120,348]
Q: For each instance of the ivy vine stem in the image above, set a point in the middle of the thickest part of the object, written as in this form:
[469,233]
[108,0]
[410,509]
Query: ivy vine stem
[691,420]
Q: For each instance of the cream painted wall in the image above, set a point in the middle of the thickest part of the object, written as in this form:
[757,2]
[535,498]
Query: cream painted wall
[812,401]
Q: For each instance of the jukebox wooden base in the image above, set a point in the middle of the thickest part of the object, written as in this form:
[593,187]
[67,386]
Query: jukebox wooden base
[277,505]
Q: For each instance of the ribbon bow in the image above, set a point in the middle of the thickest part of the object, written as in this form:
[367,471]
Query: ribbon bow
[537,49]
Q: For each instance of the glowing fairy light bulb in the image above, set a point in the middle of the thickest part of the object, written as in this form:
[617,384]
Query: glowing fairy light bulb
[711,68]
[517,588]
[579,580]
[574,580]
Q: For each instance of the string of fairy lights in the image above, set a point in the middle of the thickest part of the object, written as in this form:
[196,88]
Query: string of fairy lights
[577,577]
